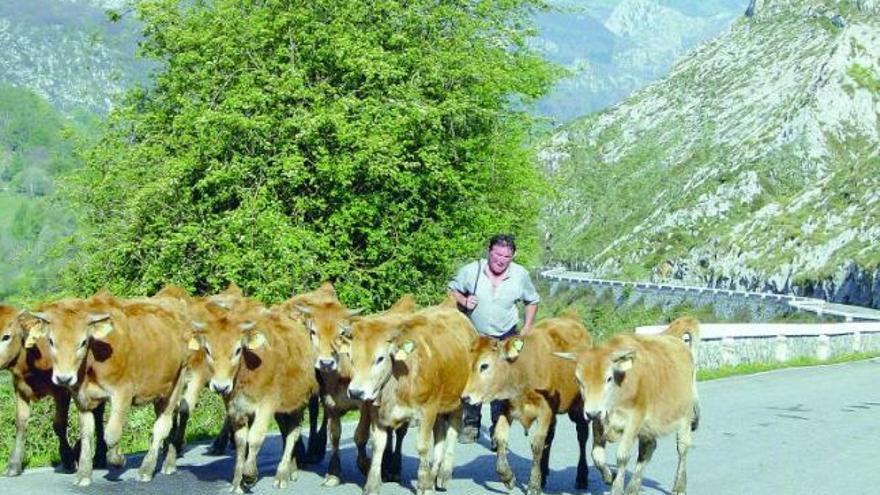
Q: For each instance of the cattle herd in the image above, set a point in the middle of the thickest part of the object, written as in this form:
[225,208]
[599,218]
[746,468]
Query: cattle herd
[403,365]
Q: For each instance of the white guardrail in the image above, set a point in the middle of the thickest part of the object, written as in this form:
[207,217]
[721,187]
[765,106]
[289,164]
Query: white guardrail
[736,343]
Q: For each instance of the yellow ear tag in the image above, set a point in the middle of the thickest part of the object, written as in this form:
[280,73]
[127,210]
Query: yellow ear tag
[625,365]
[518,344]
[30,341]
[405,350]
[193,344]
[102,329]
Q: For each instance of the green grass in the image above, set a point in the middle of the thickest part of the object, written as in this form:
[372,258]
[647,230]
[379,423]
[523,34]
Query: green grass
[748,369]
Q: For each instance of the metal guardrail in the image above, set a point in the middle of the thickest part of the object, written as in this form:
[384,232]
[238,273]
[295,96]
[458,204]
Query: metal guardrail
[818,306]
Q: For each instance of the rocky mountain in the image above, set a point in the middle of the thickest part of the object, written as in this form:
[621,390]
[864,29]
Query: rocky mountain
[69,51]
[754,164]
[614,47]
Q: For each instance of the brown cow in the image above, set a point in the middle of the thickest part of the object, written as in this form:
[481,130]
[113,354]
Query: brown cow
[641,387]
[125,352]
[32,381]
[261,363]
[408,367]
[536,387]
[329,324]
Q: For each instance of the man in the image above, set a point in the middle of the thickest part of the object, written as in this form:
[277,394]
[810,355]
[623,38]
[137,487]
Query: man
[488,291]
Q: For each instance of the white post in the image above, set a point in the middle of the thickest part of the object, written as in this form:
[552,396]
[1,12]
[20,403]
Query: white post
[781,348]
[857,342]
[823,348]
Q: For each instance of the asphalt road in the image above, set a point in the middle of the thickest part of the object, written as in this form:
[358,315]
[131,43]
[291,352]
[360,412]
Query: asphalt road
[795,431]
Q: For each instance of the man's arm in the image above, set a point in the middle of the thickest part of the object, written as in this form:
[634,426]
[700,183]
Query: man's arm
[531,309]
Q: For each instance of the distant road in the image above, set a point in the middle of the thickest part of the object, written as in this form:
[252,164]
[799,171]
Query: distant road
[795,431]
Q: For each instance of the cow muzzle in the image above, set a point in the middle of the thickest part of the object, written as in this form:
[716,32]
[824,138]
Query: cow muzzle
[64,379]
[356,393]
[592,415]
[222,388]
[326,364]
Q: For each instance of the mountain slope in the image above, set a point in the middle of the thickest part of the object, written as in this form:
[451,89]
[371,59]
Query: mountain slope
[753,164]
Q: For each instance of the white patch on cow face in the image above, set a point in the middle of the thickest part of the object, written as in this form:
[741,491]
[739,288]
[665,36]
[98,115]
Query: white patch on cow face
[377,374]
[8,349]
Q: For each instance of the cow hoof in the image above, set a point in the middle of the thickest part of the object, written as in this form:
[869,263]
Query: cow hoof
[145,477]
[533,490]
[330,481]
[279,483]
[116,459]
[216,450]
[236,489]
[84,481]
[509,483]
[248,481]
[169,470]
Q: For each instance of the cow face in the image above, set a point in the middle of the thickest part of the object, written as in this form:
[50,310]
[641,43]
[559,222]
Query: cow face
[69,327]
[376,343]
[225,341]
[601,374]
[329,327]
[489,377]
[11,334]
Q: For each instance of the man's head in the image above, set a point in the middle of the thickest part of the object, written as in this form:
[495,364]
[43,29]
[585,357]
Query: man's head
[502,247]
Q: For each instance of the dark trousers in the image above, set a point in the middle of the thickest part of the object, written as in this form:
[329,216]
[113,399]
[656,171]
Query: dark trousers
[473,414]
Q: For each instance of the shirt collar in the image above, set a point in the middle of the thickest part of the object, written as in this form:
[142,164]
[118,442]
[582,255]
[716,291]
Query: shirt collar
[504,276]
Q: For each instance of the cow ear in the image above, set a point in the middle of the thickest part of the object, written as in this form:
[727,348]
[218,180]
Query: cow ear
[100,325]
[256,340]
[344,346]
[404,349]
[623,360]
[512,348]
[34,325]
[568,356]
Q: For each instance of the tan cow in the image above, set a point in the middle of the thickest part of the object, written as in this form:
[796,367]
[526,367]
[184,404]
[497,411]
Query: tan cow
[130,353]
[537,387]
[32,381]
[261,363]
[408,367]
[641,387]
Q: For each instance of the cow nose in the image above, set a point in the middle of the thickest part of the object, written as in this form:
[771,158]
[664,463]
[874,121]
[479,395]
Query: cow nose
[221,388]
[326,364]
[467,399]
[63,379]
[356,394]
[591,415]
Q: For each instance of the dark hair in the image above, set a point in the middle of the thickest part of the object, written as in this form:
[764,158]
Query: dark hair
[504,240]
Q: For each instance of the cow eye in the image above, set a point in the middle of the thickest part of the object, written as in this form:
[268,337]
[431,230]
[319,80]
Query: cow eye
[237,351]
[380,359]
[608,380]
[82,344]
[51,342]
[5,338]
[484,367]
[207,351]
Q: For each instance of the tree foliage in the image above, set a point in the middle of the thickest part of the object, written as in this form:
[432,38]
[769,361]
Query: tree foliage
[283,143]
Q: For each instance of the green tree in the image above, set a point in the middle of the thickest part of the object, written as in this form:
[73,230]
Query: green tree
[283,143]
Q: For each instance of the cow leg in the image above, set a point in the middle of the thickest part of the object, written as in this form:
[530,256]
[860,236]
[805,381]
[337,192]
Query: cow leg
[239,426]
[646,451]
[396,454]
[191,391]
[361,436]
[100,457]
[682,443]
[423,447]
[378,439]
[86,433]
[624,450]
[255,437]
[453,426]
[317,447]
[538,442]
[22,414]
[334,469]
[218,446]
[598,451]
[287,471]
[501,434]
[545,455]
[439,432]
[161,428]
[120,402]
[583,434]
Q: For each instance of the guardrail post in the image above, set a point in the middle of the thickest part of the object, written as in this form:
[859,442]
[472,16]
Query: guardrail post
[781,348]
[823,348]
[857,342]
[728,352]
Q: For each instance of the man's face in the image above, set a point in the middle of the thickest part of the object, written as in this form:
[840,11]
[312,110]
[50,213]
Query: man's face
[500,258]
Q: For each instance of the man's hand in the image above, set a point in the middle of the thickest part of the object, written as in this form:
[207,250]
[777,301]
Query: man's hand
[470,302]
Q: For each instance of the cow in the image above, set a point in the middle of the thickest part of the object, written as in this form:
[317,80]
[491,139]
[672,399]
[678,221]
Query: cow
[127,352]
[328,322]
[261,364]
[31,372]
[408,367]
[521,371]
[641,387]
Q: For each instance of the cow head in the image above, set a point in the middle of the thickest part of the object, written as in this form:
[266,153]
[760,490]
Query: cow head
[226,342]
[378,344]
[69,327]
[489,374]
[329,325]
[601,374]
[12,335]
